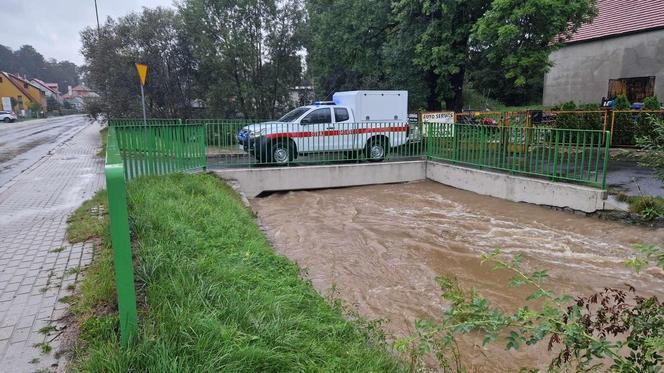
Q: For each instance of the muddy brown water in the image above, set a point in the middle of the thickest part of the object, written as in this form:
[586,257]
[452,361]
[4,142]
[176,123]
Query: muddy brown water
[382,247]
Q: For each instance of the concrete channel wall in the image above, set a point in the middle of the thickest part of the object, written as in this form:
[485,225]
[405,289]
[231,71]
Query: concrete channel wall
[254,181]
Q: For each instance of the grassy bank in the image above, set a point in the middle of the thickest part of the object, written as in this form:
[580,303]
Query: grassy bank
[214,296]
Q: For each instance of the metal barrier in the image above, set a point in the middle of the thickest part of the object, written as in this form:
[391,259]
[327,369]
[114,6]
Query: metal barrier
[570,155]
[159,148]
[242,143]
[122,254]
[132,150]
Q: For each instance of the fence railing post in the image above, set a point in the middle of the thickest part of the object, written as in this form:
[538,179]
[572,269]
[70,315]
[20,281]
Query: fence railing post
[121,245]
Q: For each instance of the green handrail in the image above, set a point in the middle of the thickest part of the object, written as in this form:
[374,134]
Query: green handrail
[122,253]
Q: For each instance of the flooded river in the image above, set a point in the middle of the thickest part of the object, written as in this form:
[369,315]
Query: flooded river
[383,246]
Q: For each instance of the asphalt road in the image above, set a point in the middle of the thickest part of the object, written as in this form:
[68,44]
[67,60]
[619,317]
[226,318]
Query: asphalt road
[24,143]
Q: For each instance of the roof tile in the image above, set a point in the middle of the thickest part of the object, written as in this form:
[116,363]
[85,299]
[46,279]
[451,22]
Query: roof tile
[622,17]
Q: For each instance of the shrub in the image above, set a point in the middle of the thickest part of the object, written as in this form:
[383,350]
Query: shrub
[644,124]
[567,120]
[624,126]
[591,121]
[611,330]
[648,207]
[652,145]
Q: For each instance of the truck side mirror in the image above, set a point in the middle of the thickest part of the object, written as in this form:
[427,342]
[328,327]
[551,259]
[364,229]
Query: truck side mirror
[305,121]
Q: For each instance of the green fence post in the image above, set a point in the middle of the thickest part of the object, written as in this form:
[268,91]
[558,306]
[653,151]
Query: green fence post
[607,145]
[122,254]
[555,156]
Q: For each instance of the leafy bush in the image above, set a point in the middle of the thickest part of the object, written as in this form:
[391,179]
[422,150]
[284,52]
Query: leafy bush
[567,120]
[644,124]
[591,121]
[611,330]
[624,126]
[652,145]
[649,207]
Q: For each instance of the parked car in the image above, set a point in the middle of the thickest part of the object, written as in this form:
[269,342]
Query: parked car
[7,116]
[369,121]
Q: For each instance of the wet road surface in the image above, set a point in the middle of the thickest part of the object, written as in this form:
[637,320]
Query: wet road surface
[24,143]
[382,247]
[628,177]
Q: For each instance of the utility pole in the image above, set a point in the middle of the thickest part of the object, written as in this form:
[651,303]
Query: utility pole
[97,14]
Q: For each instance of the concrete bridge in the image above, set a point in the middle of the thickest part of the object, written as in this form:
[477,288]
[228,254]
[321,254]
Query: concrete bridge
[254,181]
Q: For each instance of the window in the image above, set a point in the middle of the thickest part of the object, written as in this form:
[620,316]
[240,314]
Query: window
[318,116]
[25,85]
[340,114]
[293,114]
[636,89]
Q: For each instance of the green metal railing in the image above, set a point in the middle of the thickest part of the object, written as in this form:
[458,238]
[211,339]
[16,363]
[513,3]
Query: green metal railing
[122,254]
[160,148]
[134,149]
[569,155]
[316,143]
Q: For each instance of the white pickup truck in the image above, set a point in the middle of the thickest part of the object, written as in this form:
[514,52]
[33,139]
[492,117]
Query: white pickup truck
[367,121]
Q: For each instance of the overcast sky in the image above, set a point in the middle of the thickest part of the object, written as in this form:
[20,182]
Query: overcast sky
[52,26]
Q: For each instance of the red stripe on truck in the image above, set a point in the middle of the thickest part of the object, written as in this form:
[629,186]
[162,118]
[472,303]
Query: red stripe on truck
[302,134]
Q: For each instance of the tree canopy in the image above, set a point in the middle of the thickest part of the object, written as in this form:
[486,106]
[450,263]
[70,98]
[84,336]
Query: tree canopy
[242,57]
[26,61]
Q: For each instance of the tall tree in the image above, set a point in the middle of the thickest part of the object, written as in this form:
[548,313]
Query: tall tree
[246,53]
[345,44]
[515,38]
[432,47]
[153,37]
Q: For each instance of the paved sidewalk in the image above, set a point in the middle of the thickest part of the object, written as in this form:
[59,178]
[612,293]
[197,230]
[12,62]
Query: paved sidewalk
[37,265]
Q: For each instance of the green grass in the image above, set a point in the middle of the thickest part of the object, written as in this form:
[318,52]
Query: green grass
[647,206]
[215,297]
[86,222]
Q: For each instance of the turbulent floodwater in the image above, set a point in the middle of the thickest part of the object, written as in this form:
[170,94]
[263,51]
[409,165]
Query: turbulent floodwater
[382,247]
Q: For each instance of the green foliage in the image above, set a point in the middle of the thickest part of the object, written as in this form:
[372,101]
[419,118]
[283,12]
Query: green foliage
[649,207]
[651,103]
[644,123]
[88,220]
[567,120]
[624,125]
[514,38]
[245,53]
[431,47]
[153,37]
[652,145]
[218,298]
[611,330]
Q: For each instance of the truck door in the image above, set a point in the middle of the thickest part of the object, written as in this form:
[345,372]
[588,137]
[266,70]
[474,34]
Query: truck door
[317,132]
[345,128]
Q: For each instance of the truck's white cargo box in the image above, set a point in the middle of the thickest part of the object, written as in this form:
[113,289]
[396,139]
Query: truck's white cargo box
[375,106]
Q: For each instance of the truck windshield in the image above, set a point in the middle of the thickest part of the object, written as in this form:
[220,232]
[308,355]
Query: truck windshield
[293,114]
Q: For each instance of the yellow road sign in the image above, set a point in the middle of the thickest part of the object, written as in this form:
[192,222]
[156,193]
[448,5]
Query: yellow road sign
[142,71]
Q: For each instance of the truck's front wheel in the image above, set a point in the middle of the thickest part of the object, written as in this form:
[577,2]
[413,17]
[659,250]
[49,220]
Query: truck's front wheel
[377,148]
[282,152]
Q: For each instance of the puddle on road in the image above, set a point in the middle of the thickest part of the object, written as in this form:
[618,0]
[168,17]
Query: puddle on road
[383,246]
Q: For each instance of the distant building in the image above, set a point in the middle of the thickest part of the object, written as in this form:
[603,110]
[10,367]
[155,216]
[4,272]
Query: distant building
[51,89]
[301,95]
[621,52]
[79,96]
[21,94]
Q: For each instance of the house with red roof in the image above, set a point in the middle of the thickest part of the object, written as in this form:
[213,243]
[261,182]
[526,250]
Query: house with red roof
[620,52]
[50,89]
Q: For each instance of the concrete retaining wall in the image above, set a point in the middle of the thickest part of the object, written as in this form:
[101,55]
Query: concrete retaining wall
[517,188]
[253,181]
